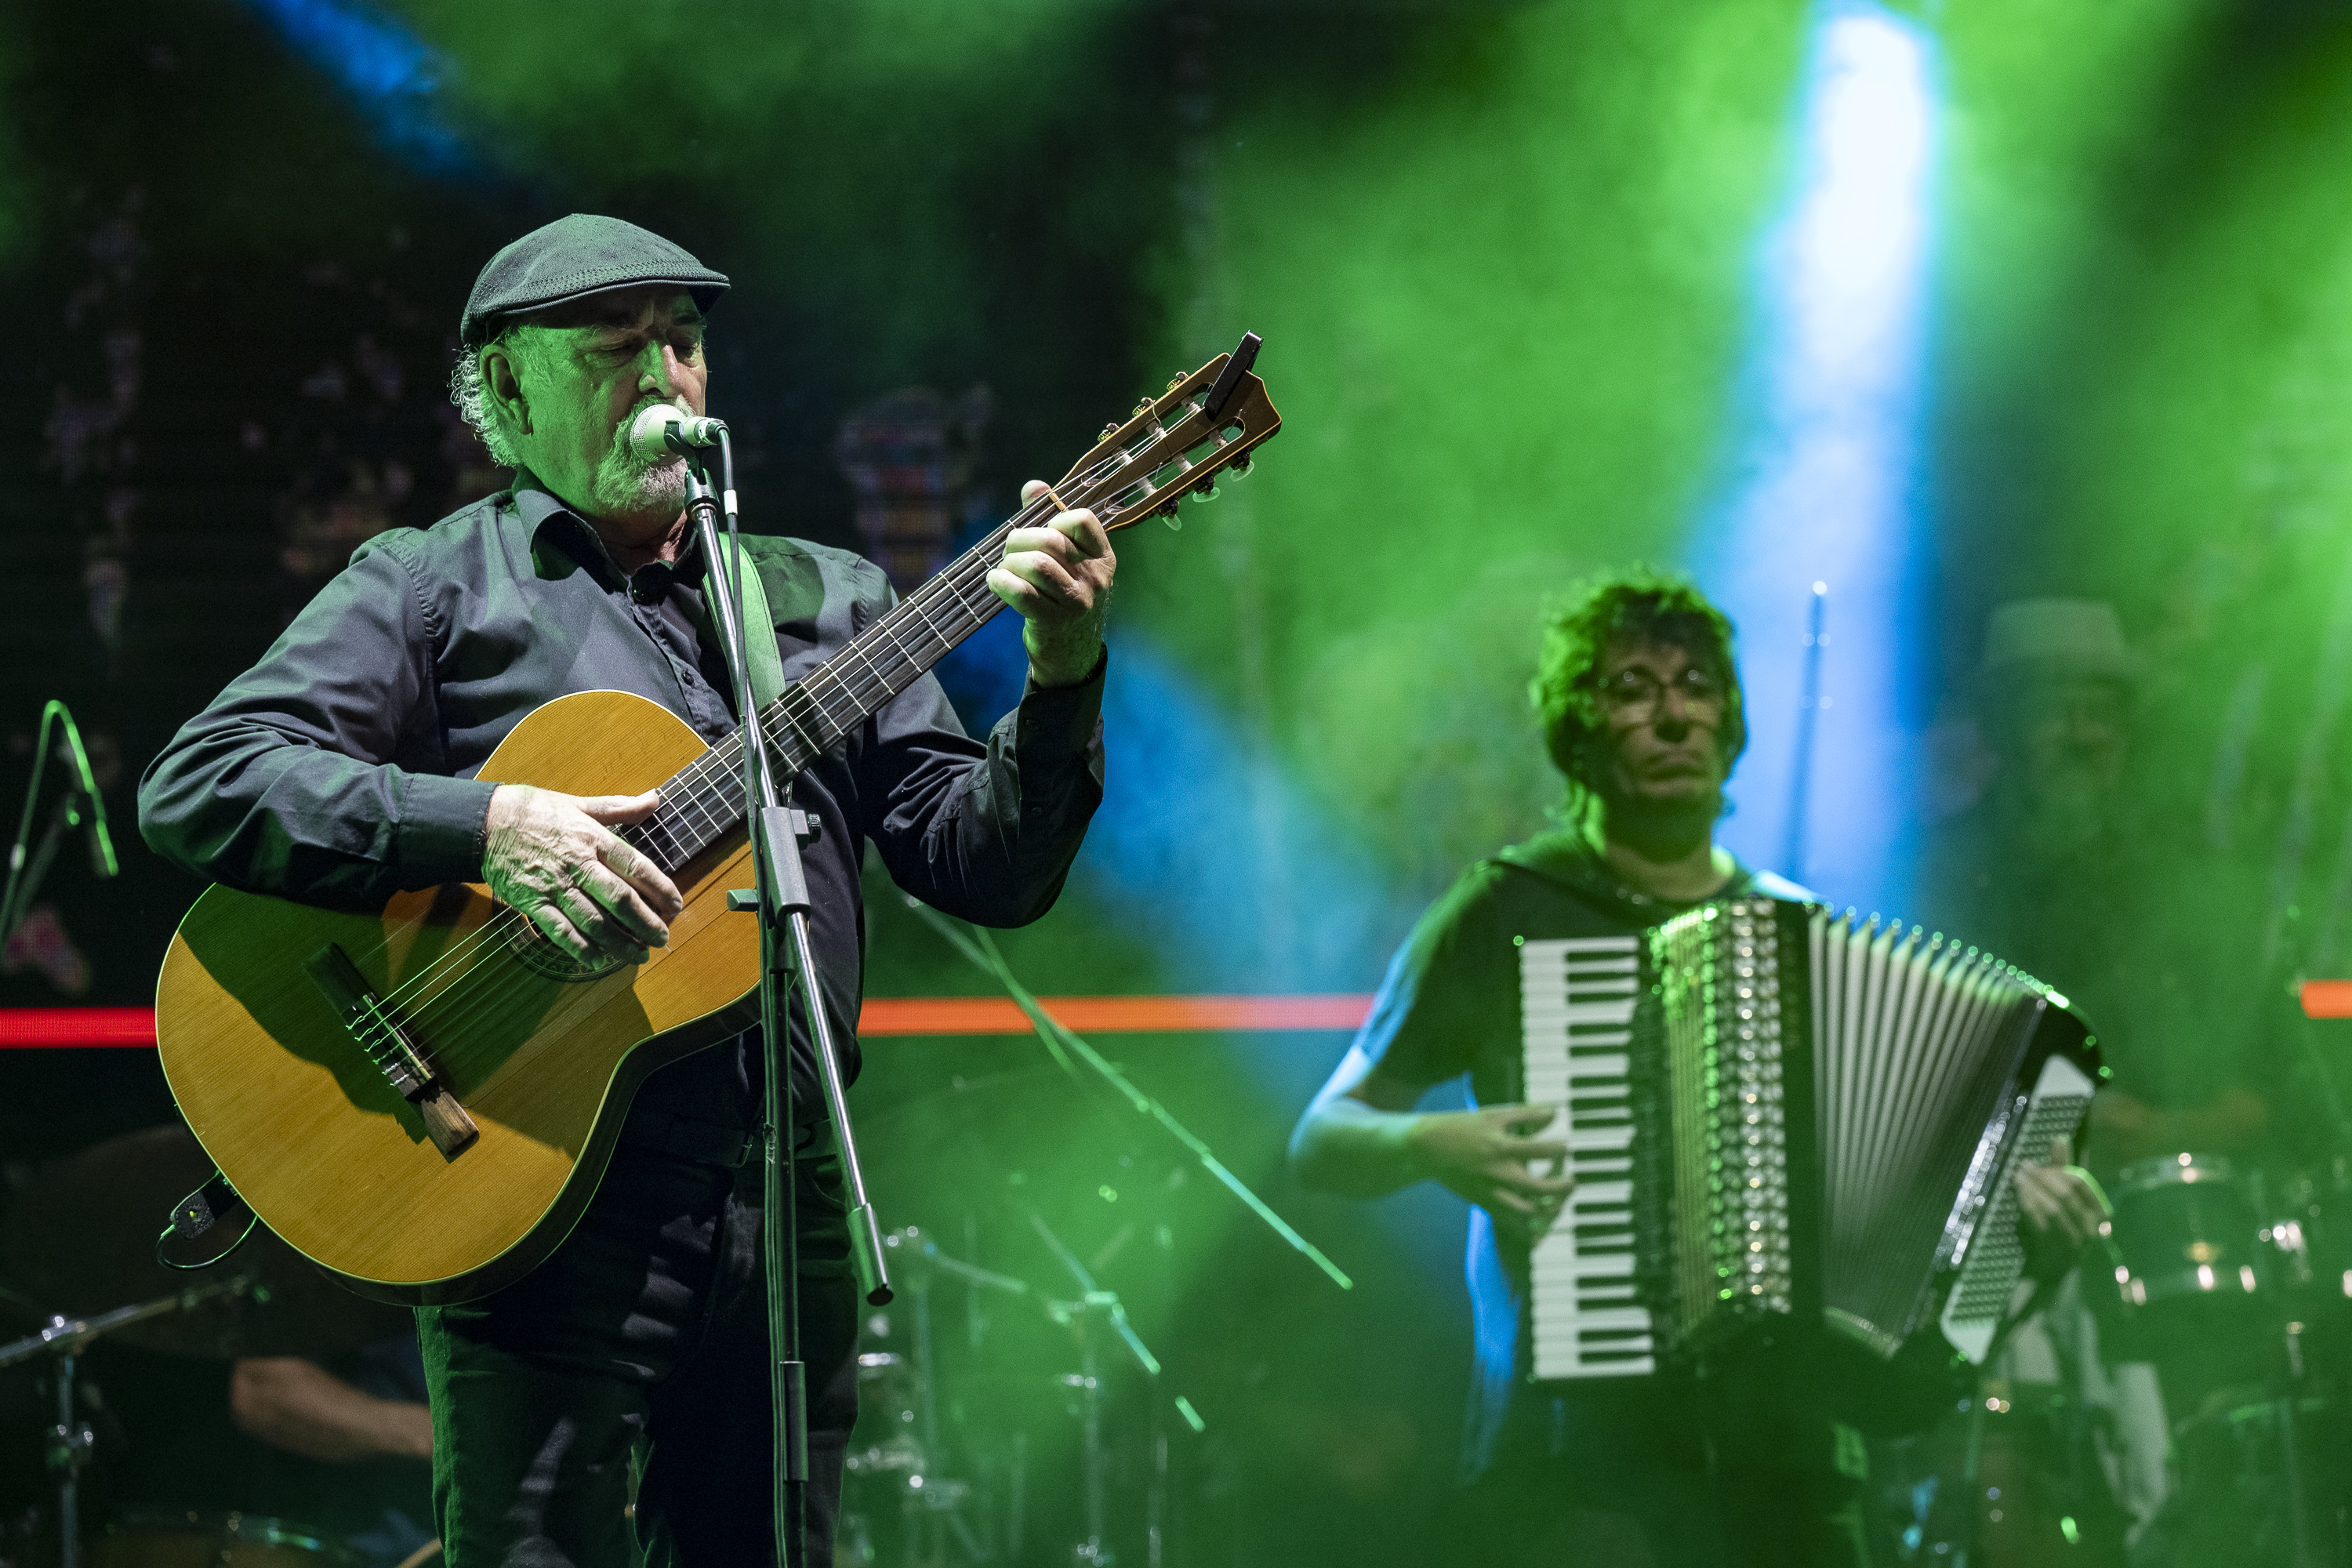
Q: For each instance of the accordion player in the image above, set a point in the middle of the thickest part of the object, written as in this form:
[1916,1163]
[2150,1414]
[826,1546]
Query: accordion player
[1776,1118]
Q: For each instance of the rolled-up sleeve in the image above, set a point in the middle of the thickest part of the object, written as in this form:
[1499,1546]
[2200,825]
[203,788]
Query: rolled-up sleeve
[310,775]
[986,831]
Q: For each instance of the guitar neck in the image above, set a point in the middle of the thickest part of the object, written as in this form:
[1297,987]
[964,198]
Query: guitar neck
[1171,445]
[703,802]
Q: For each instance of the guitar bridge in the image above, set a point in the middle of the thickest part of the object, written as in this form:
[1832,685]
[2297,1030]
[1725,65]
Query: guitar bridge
[375,1030]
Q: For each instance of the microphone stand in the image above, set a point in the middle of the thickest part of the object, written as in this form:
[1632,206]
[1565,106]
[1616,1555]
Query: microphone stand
[780,899]
[1068,1048]
[25,877]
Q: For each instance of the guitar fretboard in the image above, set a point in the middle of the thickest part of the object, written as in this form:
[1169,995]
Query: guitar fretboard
[702,802]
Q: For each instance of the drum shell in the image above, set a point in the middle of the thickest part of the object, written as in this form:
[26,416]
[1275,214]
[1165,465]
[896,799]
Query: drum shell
[212,1541]
[2188,1228]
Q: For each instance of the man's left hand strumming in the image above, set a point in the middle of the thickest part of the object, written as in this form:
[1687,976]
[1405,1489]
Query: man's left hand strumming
[1058,577]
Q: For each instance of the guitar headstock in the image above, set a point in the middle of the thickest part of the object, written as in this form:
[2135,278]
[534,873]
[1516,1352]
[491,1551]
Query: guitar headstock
[1175,445]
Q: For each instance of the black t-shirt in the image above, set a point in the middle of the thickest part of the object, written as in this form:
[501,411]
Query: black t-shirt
[1450,1006]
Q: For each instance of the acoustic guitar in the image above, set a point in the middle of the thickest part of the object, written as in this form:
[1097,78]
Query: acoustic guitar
[423,1099]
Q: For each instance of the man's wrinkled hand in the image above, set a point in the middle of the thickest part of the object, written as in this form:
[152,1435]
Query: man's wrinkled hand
[555,859]
[1058,577]
[2061,1211]
[1491,1156]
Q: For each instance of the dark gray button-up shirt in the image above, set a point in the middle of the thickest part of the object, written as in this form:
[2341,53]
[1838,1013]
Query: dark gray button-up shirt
[340,769]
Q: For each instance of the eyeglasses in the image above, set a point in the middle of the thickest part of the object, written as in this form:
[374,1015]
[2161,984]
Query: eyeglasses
[1635,694]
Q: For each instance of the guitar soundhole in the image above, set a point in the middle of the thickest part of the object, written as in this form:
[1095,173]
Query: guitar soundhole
[541,956]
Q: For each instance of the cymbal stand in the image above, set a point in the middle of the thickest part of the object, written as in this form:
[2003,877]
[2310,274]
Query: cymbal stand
[1097,1305]
[69,1446]
[2303,1551]
[922,1262]
[1094,1551]
[69,1440]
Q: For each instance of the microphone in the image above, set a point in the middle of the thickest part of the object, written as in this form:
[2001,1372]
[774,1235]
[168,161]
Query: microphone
[662,432]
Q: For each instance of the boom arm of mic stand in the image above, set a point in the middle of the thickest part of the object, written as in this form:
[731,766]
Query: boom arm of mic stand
[975,945]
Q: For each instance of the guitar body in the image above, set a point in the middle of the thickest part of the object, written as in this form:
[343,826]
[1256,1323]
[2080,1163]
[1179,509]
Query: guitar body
[544,1059]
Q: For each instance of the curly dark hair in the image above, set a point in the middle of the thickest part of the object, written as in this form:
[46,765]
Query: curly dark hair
[1642,604]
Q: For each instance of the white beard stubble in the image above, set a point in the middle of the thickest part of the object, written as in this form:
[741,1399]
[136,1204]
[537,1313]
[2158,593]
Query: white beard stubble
[627,483]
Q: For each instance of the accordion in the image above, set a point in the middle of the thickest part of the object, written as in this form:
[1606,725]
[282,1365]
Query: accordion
[1778,1117]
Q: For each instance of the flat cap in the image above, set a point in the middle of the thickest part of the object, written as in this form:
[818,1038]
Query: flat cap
[574,257]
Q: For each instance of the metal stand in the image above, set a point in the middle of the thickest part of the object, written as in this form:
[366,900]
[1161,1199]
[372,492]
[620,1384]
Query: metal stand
[24,875]
[69,1441]
[943,1499]
[1094,1308]
[69,1451]
[2303,1547]
[780,899]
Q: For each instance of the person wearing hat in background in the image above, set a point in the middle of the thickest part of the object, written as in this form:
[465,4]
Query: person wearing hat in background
[2066,865]
[2058,868]
[340,769]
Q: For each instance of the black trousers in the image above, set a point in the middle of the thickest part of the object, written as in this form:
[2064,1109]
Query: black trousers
[1658,1473]
[644,1336]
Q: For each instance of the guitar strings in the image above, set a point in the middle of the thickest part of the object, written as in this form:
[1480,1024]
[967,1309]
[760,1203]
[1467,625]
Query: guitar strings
[714,801]
[963,583]
[720,806]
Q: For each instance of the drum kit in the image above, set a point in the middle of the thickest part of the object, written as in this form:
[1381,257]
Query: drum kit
[1005,1419]
[2225,1292]
[2236,1286]
[77,1248]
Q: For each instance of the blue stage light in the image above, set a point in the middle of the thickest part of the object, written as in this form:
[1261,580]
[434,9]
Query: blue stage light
[1830,481]
[392,76]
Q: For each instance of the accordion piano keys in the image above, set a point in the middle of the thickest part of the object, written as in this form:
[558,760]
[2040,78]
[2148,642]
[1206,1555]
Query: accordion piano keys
[1578,998]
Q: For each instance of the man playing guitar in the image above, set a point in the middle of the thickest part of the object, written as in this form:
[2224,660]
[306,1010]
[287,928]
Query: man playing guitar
[339,771]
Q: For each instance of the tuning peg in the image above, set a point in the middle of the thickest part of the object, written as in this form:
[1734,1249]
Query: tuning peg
[1241,470]
[1143,405]
[1204,492]
[1168,515]
[1105,433]
[1175,381]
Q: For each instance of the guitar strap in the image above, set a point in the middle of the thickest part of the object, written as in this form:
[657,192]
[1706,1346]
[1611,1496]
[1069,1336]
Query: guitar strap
[758,629]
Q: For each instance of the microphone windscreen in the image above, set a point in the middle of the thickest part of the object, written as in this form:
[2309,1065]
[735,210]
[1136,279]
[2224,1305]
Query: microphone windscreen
[648,433]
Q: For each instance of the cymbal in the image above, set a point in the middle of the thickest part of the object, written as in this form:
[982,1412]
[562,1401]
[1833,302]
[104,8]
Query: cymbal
[80,1240]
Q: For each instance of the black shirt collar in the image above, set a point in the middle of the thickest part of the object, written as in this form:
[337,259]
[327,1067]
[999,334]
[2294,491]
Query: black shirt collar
[548,517]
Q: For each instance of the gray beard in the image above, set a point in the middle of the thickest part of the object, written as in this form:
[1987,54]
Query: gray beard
[625,483]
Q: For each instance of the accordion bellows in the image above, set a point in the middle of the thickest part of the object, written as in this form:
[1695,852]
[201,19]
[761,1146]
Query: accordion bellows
[1777,1116]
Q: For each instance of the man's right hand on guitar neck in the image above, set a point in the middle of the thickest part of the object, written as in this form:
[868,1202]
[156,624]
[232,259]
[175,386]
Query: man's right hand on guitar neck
[556,859]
